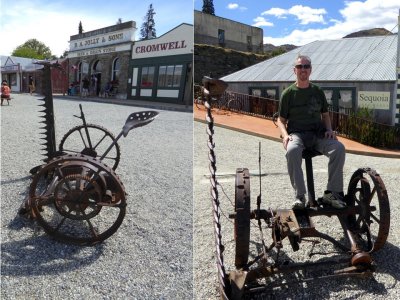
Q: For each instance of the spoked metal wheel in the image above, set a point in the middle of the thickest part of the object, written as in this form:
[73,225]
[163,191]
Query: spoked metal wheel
[367,192]
[78,199]
[235,105]
[76,140]
[242,218]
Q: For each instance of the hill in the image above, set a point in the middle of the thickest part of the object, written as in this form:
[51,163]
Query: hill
[369,32]
[285,48]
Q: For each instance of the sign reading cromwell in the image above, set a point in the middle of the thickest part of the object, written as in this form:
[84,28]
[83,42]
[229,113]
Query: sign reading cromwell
[161,47]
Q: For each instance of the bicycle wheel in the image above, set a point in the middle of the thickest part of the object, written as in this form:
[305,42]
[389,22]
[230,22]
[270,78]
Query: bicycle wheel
[235,105]
[76,141]
[199,103]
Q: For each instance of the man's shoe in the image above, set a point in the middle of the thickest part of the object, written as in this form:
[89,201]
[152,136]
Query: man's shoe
[334,199]
[299,203]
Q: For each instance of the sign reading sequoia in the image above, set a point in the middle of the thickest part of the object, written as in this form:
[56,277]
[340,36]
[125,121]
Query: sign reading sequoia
[374,100]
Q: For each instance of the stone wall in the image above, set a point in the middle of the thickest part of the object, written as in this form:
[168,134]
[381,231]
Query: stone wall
[206,29]
[219,62]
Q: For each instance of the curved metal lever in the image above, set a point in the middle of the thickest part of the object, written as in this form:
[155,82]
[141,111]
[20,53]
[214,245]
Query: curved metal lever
[138,119]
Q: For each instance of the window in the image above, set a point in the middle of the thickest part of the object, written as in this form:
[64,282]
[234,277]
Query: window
[249,43]
[134,76]
[170,76]
[78,74]
[115,70]
[265,92]
[147,78]
[97,67]
[340,99]
[221,37]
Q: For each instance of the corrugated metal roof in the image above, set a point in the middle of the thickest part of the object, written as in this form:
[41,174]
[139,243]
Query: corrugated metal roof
[350,59]
[25,63]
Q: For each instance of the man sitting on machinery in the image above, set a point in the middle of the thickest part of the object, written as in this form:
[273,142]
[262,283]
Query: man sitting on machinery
[305,123]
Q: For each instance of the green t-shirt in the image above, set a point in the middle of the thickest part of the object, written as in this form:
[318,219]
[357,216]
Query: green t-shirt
[303,106]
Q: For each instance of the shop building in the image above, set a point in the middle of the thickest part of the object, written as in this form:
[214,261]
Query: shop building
[16,70]
[161,69]
[102,56]
[218,31]
[353,72]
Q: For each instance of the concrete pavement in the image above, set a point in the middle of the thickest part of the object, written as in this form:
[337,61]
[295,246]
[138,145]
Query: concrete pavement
[266,129]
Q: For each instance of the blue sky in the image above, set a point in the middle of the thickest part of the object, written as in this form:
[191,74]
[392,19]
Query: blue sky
[54,21]
[301,22]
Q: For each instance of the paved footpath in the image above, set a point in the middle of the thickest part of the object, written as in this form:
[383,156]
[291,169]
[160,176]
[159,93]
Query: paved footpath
[266,129]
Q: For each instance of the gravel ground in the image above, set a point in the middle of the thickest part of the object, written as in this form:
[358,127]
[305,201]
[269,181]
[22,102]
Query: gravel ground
[235,150]
[149,257]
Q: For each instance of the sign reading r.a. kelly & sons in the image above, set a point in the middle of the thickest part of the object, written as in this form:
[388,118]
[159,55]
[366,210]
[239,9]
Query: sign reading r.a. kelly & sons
[374,100]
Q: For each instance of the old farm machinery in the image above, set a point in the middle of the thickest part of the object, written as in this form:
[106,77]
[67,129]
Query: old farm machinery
[365,223]
[76,195]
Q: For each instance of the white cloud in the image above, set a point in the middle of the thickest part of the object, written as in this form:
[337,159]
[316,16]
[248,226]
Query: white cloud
[357,15]
[53,22]
[47,24]
[305,14]
[277,12]
[261,22]
[233,6]
[236,6]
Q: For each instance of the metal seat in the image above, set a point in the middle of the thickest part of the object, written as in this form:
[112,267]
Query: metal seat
[308,154]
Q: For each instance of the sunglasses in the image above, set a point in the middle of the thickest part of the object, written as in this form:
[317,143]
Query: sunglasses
[302,67]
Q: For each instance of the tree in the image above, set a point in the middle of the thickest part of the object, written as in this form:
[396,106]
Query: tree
[208,7]
[148,30]
[33,49]
[80,29]
[65,54]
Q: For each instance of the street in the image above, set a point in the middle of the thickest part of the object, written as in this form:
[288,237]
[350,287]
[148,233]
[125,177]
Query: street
[150,255]
[238,150]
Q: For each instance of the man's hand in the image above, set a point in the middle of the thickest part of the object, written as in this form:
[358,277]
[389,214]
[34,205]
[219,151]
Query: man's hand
[330,134]
[286,140]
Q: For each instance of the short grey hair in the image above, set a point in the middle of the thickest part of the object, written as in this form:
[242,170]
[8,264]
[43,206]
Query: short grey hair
[307,58]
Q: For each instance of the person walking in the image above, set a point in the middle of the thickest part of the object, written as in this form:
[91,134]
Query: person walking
[85,87]
[31,85]
[5,92]
[304,122]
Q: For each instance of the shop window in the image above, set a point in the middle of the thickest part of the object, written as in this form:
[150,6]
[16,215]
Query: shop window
[266,107]
[340,99]
[147,78]
[135,76]
[97,67]
[115,70]
[249,43]
[328,96]
[170,76]
[264,92]
[13,79]
[221,37]
[78,73]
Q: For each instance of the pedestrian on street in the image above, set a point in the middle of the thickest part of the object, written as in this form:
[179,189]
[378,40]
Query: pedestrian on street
[85,87]
[5,92]
[31,85]
[304,122]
